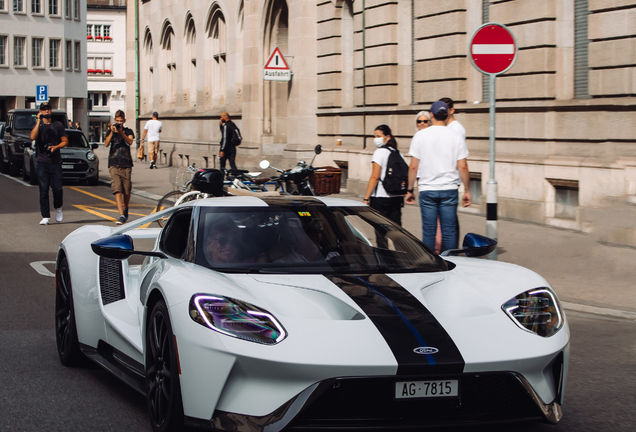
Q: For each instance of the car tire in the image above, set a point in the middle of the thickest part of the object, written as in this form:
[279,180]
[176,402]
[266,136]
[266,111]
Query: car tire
[4,166]
[14,168]
[163,397]
[33,177]
[66,339]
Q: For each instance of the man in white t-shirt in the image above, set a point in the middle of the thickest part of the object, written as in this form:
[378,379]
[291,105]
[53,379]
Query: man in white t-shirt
[152,130]
[438,160]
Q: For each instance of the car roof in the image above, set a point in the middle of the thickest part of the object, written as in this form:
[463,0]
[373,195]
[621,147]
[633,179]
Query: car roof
[253,201]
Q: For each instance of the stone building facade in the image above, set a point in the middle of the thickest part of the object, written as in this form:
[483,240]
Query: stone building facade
[43,43]
[566,137]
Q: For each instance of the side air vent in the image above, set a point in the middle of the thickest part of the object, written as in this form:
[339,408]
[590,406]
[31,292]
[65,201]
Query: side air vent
[111,280]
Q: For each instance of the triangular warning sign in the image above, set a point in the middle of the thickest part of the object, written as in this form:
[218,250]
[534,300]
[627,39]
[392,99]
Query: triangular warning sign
[276,61]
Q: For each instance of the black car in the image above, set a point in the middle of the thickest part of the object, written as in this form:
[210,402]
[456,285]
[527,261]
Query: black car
[79,162]
[17,136]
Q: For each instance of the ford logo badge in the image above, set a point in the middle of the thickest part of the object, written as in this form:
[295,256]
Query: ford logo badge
[425,350]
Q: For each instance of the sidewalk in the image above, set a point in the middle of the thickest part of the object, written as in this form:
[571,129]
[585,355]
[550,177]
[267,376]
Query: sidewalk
[588,276]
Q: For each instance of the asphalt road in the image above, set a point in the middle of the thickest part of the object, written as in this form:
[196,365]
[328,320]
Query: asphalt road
[38,394]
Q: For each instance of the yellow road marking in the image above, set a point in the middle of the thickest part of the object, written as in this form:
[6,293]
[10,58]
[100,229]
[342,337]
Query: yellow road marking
[96,213]
[93,195]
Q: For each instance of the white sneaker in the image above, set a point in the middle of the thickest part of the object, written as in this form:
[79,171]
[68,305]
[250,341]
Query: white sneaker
[45,221]
[58,215]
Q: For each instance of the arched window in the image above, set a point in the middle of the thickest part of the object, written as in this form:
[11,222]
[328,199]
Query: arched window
[168,65]
[276,95]
[217,34]
[147,74]
[190,62]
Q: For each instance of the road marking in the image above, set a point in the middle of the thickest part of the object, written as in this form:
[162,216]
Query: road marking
[38,266]
[18,180]
[615,313]
[93,195]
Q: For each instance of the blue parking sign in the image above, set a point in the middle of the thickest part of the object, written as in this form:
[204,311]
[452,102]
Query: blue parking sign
[42,93]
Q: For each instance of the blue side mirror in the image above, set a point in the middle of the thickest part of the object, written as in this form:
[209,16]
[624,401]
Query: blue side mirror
[119,247]
[474,245]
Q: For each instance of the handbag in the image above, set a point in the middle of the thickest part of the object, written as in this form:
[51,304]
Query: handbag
[140,151]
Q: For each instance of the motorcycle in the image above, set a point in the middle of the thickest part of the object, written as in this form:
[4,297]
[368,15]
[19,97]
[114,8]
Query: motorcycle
[296,180]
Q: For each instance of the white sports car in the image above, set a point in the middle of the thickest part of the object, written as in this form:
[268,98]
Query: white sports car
[250,314]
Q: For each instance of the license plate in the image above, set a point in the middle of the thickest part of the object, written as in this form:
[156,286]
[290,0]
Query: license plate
[65,166]
[424,389]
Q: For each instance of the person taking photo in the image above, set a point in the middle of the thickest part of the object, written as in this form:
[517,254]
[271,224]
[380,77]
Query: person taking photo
[120,163]
[50,137]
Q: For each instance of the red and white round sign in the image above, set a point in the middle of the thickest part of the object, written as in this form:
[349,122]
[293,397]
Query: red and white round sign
[492,49]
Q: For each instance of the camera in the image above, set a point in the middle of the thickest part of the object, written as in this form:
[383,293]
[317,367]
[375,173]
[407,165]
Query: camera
[46,116]
[117,126]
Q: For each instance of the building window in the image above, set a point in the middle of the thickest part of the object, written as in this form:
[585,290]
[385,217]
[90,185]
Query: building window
[97,32]
[18,6]
[100,66]
[167,43]
[76,55]
[3,6]
[475,187]
[99,99]
[36,7]
[54,53]
[67,9]
[37,44]
[69,55]
[566,198]
[3,50]
[581,42]
[18,51]
[217,31]
[54,7]
[76,9]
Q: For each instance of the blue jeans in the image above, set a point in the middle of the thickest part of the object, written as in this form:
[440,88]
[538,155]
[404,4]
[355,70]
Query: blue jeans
[49,174]
[442,203]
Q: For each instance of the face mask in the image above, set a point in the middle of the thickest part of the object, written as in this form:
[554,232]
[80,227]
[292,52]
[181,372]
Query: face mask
[379,142]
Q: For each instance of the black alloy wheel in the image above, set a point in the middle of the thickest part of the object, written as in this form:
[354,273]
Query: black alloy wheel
[162,373]
[65,329]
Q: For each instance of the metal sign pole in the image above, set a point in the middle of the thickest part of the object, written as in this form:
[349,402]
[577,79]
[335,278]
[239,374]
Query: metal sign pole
[491,194]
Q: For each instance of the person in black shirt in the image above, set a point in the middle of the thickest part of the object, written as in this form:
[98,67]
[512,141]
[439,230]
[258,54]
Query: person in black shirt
[120,163]
[50,137]
[230,136]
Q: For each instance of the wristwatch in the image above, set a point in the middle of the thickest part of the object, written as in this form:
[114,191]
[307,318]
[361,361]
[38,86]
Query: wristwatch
[409,190]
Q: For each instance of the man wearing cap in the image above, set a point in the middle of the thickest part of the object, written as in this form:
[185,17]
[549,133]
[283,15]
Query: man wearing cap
[50,137]
[438,160]
[152,129]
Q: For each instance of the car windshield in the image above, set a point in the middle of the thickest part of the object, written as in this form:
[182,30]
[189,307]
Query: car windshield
[309,239]
[26,121]
[77,140]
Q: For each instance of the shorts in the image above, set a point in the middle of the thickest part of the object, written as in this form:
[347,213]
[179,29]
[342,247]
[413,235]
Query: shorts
[153,147]
[120,180]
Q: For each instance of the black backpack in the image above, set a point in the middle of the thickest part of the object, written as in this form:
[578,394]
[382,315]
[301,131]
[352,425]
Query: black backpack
[236,139]
[397,174]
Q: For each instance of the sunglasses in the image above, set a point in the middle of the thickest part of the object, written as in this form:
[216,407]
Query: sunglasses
[422,121]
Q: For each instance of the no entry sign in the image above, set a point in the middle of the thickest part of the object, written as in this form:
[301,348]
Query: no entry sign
[492,49]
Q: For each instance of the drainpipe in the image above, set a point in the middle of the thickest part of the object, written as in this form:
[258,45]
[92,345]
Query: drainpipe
[137,70]
[364,74]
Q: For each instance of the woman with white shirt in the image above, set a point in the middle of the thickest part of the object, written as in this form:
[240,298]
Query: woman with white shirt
[388,204]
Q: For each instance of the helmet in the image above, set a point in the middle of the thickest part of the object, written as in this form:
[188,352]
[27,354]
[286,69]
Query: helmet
[208,181]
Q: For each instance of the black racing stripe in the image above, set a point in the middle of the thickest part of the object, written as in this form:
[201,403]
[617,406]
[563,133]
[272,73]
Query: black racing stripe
[295,200]
[404,322]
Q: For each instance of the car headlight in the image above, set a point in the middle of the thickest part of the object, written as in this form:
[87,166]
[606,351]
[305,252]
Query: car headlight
[236,318]
[536,310]
[91,156]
